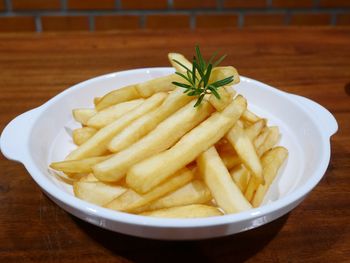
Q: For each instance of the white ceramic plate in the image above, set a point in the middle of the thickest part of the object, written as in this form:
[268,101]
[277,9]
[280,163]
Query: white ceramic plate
[40,136]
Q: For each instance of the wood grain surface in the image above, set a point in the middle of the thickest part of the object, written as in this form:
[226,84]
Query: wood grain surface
[310,62]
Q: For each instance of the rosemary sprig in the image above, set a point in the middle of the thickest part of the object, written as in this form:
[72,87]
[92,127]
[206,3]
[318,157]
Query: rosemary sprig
[197,78]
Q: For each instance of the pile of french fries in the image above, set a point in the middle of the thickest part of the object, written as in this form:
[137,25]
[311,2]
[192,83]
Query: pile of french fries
[145,149]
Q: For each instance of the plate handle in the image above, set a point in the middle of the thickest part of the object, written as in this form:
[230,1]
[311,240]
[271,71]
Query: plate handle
[321,114]
[14,138]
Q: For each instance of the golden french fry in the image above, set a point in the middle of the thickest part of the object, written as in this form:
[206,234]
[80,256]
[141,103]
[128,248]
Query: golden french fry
[78,166]
[230,159]
[66,178]
[97,100]
[97,192]
[161,84]
[216,176]
[180,58]
[227,153]
[117,96]
[112,113]
[83,115]
[88,178]
[195,192]
[250,116]
[246,151]
[130,200]
[240,176]
[166,134]
[272,160]
[97,144]
[83,134]
[146,123]
[270,141]
[254,130]
[219,73]
[259,140]
[253,184]
[187,211]
[150,172]
[224,100]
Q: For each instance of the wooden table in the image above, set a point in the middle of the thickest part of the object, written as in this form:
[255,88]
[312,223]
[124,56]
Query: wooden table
[311,62]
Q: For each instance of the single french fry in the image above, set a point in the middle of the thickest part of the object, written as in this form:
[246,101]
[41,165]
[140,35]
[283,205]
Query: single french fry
[259,140]
[97,192]
[245,150]
[227,153]
[219,73]
[78,166]
[180,58]
[83,115]
[83,134]
[160,84]
[97,145]
[117,96]
[130,200]
[250,116]
[240,176]
[150,172]
[272,160]
[97,100]
[230,159]
[66,178]
[166,134]
[188,211]
[146,123]
[195,192]
[88,178]
[216,176]
[253,184]
[270,141]
[221,103]
[112,113]
[254,130]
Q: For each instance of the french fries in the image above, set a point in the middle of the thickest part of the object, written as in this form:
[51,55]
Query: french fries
[83,115]
[224,72]
[246,151]
[88,178]
[271,161]
[271,139]
[97,192]
[117,96]
[145,175]
[97,144]
[153,86]
[83,134]
[130,200]
[225,98]
[250,116]
[254,130]
[164,136]
[78,166]
[216,176]
[112,113]
[240,176]
[195,192]
[180,58]
[149,121]
[154,150]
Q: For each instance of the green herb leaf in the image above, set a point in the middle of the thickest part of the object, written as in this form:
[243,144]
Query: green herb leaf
[198,84]
[182,65]
[182,85]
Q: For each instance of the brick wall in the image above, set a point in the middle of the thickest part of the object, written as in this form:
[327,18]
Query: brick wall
[99,15]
